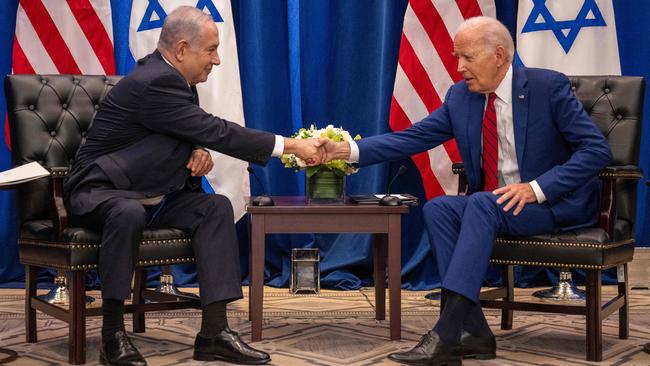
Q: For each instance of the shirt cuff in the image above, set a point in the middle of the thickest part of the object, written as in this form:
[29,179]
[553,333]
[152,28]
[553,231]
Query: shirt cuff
[541,198]
[278,149]
[354,152]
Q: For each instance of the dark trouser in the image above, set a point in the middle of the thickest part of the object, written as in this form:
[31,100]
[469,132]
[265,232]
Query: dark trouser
[207,218]
[462,230]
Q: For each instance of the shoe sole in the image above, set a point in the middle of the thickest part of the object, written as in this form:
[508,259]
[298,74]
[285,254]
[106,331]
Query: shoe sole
[213,357]
[454,362]
[481,356]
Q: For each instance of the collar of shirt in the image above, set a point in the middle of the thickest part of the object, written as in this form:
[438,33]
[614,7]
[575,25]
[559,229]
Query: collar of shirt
[504,90]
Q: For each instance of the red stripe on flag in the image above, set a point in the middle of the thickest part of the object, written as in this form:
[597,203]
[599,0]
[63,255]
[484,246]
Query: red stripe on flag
[7,136]
[469,8]
[438,34]
[50,37]
[418,75]
[432,187]
[95,32]
[19,62]
[398,119]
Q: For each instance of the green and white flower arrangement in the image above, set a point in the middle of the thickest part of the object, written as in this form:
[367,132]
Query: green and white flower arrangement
[336,134]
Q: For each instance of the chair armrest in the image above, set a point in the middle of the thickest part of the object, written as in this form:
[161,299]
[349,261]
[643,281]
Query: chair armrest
[58,212]
[459,169]
[609,175]
[621,172]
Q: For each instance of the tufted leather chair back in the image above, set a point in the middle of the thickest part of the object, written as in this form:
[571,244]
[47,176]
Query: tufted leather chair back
[615,103]
[48,119]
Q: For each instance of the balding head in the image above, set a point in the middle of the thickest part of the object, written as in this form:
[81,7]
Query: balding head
[183,23]
[484,50]
[492,32]
[189,41]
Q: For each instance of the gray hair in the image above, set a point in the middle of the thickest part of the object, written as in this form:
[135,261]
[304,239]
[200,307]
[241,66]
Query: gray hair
[183,22]
[494,33]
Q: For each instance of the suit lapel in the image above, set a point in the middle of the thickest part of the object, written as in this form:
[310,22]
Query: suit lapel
[520,99]
[476,104]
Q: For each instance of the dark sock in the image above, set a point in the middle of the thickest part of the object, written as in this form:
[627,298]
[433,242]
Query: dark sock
[113,317]
[452,318]
[476,324]
[213,319]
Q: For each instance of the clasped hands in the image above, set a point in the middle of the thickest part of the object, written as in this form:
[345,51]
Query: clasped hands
[317,151]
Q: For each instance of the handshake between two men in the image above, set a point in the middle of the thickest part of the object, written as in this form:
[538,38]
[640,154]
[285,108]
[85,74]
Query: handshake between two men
[317,151]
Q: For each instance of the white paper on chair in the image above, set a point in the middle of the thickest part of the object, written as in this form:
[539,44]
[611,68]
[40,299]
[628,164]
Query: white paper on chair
[23,173]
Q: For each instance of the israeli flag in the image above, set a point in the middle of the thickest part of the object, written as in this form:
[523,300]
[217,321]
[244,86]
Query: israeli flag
[575,37]
[220,95]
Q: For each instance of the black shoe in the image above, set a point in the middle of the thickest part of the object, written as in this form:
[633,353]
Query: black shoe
[119,351]
[480,348]
[431,350]
[228,347]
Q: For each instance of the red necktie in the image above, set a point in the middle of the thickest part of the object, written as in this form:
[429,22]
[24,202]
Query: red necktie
[490,145]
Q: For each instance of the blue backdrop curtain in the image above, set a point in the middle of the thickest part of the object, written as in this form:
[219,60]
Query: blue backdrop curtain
[331,62]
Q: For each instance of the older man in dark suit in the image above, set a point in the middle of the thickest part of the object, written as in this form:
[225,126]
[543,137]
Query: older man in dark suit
[141,166]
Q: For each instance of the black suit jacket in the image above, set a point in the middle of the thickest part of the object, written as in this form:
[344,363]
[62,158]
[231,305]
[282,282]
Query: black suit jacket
[143,135]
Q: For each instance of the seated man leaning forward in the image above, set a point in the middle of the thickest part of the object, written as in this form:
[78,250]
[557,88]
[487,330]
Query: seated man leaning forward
[504,119]
[140,168]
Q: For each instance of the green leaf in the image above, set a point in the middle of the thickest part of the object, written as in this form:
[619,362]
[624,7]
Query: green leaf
[311,170]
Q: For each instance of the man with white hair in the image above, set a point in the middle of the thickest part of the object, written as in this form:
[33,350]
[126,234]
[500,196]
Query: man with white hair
[531,156]
[140,167]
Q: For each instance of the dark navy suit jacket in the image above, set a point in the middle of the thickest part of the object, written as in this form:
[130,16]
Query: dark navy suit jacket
[556,142]
[143,135]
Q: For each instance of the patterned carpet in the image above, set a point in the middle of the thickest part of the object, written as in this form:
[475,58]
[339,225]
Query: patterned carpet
[337,328]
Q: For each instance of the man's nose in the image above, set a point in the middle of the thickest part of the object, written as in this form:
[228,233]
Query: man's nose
[216,60]
[461,66]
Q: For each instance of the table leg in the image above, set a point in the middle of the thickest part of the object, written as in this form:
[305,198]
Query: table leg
[257,276]
[380,251]
[394,276]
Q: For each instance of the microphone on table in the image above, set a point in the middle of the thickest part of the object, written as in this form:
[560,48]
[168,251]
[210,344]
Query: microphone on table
[389,200]
[263,200]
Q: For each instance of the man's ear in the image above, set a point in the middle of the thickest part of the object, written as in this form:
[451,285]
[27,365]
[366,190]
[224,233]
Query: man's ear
[500,54]
[180,50]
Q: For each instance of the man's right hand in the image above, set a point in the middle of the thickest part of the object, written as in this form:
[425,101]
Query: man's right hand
[334,150]
[308,150]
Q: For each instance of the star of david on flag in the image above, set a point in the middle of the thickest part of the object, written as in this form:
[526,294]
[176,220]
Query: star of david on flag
[154,15]
[576,37]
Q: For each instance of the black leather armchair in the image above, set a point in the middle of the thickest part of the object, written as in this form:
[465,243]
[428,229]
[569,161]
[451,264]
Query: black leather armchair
[48,119]
[615,103]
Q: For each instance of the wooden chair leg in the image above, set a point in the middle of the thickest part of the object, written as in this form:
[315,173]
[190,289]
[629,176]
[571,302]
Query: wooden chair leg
[594,323]
[624,312]
[31,275]
[509,283]
[77,325]
[139,284]
[380,253]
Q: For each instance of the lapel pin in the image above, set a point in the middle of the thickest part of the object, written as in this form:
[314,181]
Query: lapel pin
[521,97]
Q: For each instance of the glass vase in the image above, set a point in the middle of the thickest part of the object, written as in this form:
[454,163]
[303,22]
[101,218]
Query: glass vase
[325,186]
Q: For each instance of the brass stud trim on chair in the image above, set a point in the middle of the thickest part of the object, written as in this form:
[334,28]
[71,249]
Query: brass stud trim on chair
[631,175]
[565,244]
[551,264]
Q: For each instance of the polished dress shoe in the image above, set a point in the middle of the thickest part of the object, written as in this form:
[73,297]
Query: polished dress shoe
[431,350]
[480,348]
[228,347]
[119,351]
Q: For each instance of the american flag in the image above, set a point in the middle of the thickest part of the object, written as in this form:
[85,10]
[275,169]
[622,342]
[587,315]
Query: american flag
[425,71]
[62,37]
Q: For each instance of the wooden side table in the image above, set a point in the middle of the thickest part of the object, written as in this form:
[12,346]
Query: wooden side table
[292,215]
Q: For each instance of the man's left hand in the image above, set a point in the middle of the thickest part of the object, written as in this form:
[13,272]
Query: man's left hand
[200,163]
[517,195]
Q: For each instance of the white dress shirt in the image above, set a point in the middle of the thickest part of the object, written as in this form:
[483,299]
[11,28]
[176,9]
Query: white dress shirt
[508,168]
